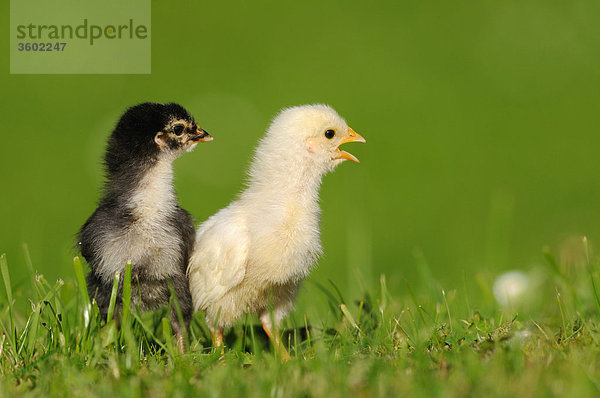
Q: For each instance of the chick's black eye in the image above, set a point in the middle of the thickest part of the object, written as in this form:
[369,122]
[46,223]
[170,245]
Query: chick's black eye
[178,129]
[329,134]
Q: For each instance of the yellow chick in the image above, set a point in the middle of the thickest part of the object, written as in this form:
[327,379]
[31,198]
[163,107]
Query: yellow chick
[255,252]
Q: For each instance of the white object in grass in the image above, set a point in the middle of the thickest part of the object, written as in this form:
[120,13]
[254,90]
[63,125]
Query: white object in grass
[510,287]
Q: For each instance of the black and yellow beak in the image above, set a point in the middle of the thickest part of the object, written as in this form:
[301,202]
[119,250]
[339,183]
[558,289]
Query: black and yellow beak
[353,136]
[201,136]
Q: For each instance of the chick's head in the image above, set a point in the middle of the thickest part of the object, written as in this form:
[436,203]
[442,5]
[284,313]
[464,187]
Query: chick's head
[313,134]
[158,129]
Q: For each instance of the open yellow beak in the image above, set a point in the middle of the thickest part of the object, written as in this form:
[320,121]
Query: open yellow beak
[353,136]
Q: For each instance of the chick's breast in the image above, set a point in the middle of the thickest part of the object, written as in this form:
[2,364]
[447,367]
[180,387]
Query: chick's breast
[281,252]
[241,256]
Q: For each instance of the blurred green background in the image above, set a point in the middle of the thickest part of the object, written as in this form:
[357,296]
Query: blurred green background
[481,118]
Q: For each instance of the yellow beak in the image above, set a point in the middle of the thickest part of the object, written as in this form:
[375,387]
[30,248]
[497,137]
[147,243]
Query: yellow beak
[353,136]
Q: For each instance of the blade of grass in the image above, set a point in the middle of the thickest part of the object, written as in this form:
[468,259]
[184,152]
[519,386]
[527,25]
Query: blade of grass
[2,346]
[58,310]
[8,288]
[384,293]
[83,293]
[562,315]
[131,352]
[586,246]
[126,296]
[29,264]
[84,299]
[308,339]
[331,301]
[53,323]
[339,293]
[7,284]
[32,335]
[168,335]
[448,310]
[349,317]
[255,349]
[555,268]
[408,337]
[148,331]
[22,338]
[414,299]
[113,298]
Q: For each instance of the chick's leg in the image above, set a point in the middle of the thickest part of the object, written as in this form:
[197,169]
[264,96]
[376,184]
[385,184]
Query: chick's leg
[273,333]
[183,300]
[178,331]
[217,339]
[284,295]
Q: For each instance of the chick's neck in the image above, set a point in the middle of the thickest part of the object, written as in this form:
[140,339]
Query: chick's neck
[144,187]
[291,184]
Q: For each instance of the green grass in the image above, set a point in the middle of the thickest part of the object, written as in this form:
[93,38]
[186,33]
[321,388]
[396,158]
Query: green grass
[424,342]
[481,123]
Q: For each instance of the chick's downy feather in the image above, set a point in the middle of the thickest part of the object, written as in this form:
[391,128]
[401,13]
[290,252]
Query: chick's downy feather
[265,243]
[138,219]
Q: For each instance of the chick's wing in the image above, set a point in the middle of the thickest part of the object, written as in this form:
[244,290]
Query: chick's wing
[218,263]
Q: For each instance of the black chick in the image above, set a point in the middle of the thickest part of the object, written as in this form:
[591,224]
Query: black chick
[138,218]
